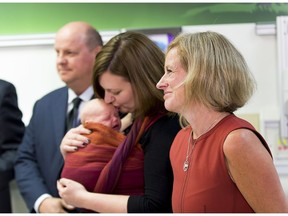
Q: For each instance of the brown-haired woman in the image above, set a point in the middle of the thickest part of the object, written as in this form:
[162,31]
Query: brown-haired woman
[125,74]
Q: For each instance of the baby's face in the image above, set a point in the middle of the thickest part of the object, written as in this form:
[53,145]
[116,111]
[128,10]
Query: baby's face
[108,116]
[100,112]
[111,118]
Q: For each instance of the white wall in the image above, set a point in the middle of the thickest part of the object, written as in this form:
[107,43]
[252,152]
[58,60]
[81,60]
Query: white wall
[32,69]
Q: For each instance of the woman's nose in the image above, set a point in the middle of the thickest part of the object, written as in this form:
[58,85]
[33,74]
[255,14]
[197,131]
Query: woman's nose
[108,98]
[161,84]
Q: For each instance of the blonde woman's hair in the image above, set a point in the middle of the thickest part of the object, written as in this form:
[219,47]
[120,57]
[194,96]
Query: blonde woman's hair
[217,73]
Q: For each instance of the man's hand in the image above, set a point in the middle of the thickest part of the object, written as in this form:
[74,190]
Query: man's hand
[54,205]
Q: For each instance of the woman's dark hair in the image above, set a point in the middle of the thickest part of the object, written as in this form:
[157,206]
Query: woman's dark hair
[138,60]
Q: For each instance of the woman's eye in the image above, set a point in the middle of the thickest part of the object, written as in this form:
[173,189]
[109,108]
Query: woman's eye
[116,93]
[169,72]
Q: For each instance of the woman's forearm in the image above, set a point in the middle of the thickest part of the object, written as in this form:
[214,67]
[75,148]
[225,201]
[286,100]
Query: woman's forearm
[103,203]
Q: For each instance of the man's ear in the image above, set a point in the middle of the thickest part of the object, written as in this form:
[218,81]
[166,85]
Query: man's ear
[97,50]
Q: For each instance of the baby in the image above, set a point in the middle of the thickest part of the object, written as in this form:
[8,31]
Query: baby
[97,111]
[89,165]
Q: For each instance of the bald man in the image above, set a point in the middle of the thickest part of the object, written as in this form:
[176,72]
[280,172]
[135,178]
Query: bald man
[39,161]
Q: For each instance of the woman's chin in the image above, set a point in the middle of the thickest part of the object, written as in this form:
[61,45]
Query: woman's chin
[169,106]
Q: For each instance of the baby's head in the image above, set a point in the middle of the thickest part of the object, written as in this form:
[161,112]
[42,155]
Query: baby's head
[96,110]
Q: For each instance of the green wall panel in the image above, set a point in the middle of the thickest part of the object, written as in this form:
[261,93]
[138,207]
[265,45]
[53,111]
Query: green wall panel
[33,18]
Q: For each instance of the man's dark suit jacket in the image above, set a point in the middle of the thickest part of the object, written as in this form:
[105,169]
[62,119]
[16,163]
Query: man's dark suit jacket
[11,133]
[39,161]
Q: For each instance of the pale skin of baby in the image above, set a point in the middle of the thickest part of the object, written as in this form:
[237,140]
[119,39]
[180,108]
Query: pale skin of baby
[96,110]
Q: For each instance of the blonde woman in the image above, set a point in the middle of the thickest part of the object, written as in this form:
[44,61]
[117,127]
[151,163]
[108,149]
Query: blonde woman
[220,162]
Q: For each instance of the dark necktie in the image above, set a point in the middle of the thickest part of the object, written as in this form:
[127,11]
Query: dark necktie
[72,118]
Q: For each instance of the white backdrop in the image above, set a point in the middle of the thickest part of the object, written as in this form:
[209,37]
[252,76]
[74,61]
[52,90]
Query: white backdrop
[32,69]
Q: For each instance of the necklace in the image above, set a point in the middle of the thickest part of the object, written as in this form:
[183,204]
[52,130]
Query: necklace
[188,153]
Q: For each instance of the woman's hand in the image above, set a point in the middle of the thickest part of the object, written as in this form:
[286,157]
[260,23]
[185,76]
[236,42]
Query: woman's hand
[71,191]
[74,139]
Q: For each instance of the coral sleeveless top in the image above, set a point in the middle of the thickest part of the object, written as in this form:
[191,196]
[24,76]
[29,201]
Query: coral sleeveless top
[206,186]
